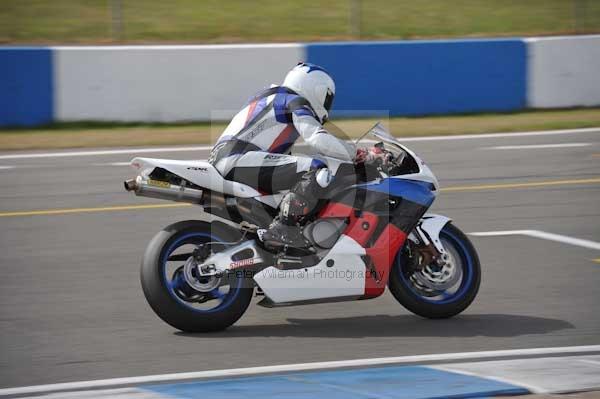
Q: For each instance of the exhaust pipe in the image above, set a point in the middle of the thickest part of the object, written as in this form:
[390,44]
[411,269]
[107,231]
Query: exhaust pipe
[162,190]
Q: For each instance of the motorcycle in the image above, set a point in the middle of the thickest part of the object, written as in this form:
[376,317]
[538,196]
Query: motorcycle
[372,231]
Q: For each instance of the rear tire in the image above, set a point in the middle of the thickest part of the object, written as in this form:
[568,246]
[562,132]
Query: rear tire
[405,293]
[162,299]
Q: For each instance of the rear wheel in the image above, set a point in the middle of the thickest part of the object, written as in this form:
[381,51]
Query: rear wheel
[438,291]
[177,295]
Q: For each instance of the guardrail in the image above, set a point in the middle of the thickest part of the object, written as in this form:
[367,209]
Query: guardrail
[41,85]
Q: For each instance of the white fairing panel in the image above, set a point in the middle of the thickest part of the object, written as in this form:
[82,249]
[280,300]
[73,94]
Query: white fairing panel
[201,173]
[345,278]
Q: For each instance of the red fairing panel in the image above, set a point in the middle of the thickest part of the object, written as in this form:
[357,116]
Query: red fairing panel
[336,210]
[383,251]
[382,254]
[360,228]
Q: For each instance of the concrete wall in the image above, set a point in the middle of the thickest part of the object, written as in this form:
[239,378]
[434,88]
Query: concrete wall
[26,86]
[179,83]
[563,72]
[425,77]
[163,83]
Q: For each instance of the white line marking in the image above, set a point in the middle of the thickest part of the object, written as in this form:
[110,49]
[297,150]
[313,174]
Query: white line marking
[539,375]
[104,152]
[112,164]
[537,146]
[208,147]
[531,388]
[543,235]
[296,367]
[588,361]
[5,167]
[501,135]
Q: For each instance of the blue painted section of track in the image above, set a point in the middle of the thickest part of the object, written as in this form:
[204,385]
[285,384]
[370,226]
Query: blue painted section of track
[26,86]
[380,382]
[425,77]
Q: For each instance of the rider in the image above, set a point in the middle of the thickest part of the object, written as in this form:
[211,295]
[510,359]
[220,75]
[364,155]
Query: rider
[254,148]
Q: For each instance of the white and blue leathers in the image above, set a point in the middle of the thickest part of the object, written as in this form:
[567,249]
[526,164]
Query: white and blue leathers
[269,124]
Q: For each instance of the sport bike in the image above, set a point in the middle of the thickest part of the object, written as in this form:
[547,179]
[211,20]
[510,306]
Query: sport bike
[371,231]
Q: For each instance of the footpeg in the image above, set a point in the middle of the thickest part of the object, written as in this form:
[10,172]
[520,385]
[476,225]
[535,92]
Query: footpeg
[249,228]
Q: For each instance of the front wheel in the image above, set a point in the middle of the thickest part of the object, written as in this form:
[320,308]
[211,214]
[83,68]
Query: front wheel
[438,291]
[177,295]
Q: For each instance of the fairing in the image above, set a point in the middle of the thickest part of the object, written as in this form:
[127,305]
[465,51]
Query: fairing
[380,133]
[339,274]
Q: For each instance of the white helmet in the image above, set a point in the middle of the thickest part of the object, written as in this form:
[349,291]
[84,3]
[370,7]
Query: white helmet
[314,84]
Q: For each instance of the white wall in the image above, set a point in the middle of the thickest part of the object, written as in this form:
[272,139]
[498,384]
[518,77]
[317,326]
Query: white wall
[563,71]
[164,83]
[211,82]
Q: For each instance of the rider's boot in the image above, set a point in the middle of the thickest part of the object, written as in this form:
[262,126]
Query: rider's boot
[301,201]
[285,230]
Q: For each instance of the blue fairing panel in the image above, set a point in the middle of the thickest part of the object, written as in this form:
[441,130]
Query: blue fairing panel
[412,190]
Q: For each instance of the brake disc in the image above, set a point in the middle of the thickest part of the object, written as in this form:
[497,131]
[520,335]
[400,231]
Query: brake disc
[435,274]
[438,280]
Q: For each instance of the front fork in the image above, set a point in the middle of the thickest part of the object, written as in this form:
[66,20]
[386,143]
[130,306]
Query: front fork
[427,237]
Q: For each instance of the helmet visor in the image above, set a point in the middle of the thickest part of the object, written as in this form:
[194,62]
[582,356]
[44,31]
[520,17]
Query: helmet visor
[328,100]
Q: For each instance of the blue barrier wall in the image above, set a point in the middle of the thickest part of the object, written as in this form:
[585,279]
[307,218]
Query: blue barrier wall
[161,83]
[26,86]
[425,77]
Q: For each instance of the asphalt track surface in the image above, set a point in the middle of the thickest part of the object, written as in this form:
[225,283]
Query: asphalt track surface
[71,306]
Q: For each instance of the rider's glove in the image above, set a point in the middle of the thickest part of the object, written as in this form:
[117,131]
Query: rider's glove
[374,155]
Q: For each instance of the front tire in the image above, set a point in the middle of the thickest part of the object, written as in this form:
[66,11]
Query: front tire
[427,302]
[173,300]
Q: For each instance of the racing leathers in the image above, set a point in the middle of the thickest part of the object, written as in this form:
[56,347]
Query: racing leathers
[255,149]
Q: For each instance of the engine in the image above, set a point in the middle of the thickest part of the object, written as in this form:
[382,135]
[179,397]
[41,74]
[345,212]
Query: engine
[324,233]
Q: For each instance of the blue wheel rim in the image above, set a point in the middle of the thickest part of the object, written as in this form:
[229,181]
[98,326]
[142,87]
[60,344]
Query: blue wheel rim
[223,300]
[466,261]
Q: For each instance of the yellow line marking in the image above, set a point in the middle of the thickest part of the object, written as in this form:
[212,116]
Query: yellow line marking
[521,185]
[597,260]
[44,212]
[90,210]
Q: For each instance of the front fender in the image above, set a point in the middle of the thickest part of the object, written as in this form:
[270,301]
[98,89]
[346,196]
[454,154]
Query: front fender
[432,224]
